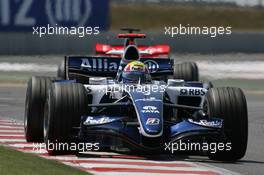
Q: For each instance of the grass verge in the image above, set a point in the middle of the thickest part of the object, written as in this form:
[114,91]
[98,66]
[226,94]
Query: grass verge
[156,17]
[14,162]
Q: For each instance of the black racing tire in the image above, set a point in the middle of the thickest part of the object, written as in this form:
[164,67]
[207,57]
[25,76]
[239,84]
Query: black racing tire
[65,105]
[230,105]
[37,90]
[61,72]
[187,71]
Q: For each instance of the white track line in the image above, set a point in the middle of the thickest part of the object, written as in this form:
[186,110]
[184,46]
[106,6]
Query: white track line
[19,136]
[128,173]
[13,131]
[27,67]
[12,140]
[12,127]
[92,165]
[231,69]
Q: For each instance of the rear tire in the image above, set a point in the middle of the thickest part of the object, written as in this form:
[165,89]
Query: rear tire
[65,105]
[187,71]
[37,90]
[230,104]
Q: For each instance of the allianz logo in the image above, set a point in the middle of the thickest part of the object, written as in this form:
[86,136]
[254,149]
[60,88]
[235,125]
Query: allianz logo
[97,64]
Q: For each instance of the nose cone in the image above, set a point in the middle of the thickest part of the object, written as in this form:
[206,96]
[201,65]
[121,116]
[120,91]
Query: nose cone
[149,109]
[150,114]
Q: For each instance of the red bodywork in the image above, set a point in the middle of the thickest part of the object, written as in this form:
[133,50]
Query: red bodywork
[145,51]
[131,35]
[157,51]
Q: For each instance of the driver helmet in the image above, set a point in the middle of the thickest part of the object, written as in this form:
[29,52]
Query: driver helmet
[135,72]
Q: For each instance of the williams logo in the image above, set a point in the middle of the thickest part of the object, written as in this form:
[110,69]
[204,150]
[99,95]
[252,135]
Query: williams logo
[97,64]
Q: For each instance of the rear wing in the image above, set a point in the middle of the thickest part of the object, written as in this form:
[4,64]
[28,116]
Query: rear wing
[145,51]
[94,66]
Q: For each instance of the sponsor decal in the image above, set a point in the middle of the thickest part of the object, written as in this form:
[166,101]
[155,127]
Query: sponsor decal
[62,14]
[152,65]
[148,99]
[214,123]
[95,121]
[150,109]
[152,121]
[98,64]
[192,92]
[89,90]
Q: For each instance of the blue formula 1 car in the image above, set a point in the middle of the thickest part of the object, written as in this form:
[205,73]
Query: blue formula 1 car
[134,112]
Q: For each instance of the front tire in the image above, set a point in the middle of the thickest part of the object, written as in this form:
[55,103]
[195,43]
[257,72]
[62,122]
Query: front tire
[187,71]
[230,105]
[37,90]
[65,105]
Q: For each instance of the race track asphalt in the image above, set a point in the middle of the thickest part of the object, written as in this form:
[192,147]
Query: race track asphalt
[12,97]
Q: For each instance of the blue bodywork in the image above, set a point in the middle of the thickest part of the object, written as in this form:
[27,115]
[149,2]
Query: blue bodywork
[150,131]
[108,66]
[146,127]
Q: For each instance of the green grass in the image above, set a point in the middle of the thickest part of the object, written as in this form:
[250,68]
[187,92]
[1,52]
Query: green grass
[156,17]
[14,162]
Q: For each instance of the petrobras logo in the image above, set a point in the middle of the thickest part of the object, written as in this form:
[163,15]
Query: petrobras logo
[150,109]
[152,66]
[98,64]
[95,121]
[152,121]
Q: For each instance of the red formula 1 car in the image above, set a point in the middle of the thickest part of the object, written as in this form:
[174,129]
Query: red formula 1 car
[152,56]
[145,51]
